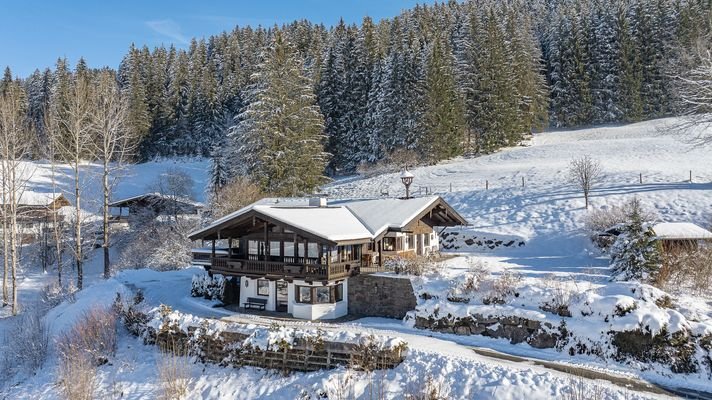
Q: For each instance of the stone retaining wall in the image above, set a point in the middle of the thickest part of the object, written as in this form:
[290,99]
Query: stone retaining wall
[380,296]
[226,349]
[517,330]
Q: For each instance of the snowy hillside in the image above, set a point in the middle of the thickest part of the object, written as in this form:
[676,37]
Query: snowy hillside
[548,205]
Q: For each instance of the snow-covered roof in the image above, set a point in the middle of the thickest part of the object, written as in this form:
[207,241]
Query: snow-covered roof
[332,223]
[680,231]
[340,220]
[378,215]
[156,195]
[29,198]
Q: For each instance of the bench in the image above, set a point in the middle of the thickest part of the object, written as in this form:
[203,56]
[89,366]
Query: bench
[254,302]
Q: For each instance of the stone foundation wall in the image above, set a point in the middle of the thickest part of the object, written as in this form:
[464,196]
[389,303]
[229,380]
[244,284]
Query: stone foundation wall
[516,330]
[380,296]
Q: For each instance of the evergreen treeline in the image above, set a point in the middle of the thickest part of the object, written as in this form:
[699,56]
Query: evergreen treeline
[438,81]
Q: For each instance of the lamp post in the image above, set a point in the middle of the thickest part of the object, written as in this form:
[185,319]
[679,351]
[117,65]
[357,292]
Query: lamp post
[407,178]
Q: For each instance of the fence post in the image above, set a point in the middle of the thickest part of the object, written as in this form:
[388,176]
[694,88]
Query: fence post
[522,182]
[641,178]
[450,187]
[486,184]
[690,176]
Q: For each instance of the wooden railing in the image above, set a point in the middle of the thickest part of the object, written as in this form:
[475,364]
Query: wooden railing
[309,268]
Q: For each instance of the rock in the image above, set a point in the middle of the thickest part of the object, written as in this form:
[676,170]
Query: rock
[462,330]
[543,340]
[469,242]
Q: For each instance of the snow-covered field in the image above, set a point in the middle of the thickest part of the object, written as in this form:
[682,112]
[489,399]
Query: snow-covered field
[546,213]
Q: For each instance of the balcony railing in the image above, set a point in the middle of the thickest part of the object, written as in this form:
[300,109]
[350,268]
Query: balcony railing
[286,267]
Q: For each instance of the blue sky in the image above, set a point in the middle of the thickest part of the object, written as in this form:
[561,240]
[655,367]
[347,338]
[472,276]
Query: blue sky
[33,34]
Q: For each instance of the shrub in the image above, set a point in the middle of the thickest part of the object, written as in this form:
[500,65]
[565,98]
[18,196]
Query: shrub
[687,268]
[209,287]
[90,343]
[240,192]
[93,336]
[560,299]
[600,220]
[130,313]
[502,288]
[408,266]
[476,274]
[27,342]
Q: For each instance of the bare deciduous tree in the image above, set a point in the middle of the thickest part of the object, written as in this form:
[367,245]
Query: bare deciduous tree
[584,172]
[235,195]
[176,185]
[113,144]
[696,96]
[15,143]
[73,141]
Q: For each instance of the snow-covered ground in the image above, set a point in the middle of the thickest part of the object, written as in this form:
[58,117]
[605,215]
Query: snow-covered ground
[546,214]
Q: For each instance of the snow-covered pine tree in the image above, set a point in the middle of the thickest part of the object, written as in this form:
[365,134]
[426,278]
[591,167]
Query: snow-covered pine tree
[218,172]
[443,119]
[635,255]
[280,133]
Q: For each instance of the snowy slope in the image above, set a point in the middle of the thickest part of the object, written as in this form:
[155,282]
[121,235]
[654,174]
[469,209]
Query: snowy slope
[547,205]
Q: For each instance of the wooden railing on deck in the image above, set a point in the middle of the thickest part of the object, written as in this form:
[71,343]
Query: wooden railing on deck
[308,268]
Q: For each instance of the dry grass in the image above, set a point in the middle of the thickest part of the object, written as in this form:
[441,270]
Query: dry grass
[686,267]
[580,389]
[77,375]
[87,345]
[429,389]
[173,372]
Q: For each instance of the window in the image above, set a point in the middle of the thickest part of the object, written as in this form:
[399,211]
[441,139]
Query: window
[323,295]
[409,242]
[389,244]
[289,249]
[253,247]
[304,294]
[339,292]
[426,240]
[262,287]
[313,249]
[320,294]
[274,248]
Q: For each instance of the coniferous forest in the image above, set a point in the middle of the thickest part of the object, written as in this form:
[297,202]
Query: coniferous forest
[293,104]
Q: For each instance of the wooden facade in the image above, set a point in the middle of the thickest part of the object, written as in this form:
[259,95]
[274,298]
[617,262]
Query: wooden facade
[260,246]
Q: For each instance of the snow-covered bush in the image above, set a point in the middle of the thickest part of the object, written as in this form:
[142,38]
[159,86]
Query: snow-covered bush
[92,337]
[160,244]
[87,345]
[54,294]
[131,313]
[408,266]
[463,289]
[636,253]
[209,287]
[502,288]
[26,344]
[600,220]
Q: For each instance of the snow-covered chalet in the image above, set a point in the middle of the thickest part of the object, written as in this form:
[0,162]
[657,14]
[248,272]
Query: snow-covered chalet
[296,255]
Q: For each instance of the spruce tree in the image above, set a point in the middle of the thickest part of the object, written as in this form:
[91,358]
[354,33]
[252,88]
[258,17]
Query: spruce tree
[280,136]
[443,119]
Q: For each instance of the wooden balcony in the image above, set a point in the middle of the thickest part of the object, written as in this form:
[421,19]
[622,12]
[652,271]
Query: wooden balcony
[307,268]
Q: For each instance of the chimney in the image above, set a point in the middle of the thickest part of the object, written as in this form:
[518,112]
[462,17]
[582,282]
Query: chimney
[317,201]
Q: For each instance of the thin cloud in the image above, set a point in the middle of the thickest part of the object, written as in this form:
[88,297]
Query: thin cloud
[169,29]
